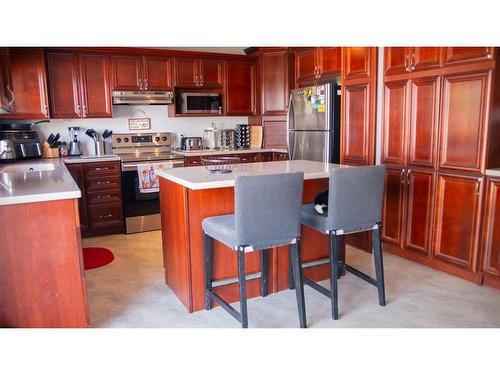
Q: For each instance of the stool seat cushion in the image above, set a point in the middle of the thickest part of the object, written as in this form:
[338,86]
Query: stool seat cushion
[223,229]
[311,218]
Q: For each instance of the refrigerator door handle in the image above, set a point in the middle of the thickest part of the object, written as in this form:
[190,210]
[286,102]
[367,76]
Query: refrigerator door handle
[289,119]
[291,145]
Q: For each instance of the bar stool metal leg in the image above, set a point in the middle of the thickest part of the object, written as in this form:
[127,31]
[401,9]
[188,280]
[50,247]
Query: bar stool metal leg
[335,243]
[379,265]
[299,282]
[243,289]
[291,282]
[207,250]
[264,256]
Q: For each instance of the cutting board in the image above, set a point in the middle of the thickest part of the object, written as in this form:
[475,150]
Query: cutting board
[255,136]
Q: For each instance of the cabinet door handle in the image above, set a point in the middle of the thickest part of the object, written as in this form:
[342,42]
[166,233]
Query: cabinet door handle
[140,84]
[45,110]
[319,72]
[12,96]
[408,174]
[402,177]
[85,110]
[412,62]
[101,168]
[196,80]
[406,64]
[146,84]
[104,216]
[201,80]
[78,109]
[478,187]
[101,182]
[103,196]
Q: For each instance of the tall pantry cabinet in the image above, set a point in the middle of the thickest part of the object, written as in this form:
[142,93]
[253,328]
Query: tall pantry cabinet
[436,121]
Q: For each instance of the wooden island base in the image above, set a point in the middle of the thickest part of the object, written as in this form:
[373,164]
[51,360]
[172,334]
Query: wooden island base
[182,212]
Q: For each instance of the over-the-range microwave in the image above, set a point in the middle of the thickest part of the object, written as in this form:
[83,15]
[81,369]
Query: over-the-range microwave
[199,102]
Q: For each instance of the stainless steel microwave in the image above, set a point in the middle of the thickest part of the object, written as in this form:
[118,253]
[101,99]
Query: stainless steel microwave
[201,102]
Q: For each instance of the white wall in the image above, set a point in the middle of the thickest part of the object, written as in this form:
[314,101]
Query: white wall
[189,126]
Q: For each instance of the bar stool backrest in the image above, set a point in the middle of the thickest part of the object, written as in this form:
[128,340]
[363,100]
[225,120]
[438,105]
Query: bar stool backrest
[355,198]
[267,207]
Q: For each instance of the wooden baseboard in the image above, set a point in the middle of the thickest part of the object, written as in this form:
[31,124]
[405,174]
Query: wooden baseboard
[102,231]
[491,281]
[434,263]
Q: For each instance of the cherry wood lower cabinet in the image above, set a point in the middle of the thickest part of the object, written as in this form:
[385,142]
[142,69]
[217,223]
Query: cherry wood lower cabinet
[490,246]
[42,280]
[247,157]
[101,209]
[182,212]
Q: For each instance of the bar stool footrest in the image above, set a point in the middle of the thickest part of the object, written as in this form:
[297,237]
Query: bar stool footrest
[226,306]
[317,287]
[359,274]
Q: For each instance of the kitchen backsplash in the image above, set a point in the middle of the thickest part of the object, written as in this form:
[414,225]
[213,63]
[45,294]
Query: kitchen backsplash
[189,126]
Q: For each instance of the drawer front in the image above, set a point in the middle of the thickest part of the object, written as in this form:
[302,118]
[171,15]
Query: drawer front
[104,168]
[193,161]
[103,183]
[248,158]
[104,197]
[105,216]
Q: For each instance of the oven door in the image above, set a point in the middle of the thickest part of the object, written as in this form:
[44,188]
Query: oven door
[141,210]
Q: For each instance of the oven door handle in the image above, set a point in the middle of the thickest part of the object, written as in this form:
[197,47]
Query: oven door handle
[126,167]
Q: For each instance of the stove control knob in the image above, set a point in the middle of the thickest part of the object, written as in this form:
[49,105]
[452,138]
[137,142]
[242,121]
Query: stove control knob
[118,140]
[163,139]
[157,139]
[125,139]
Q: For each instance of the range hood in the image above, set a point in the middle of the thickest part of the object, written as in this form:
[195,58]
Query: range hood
[143,97]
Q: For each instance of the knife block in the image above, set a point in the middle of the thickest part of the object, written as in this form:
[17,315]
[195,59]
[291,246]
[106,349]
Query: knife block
[48,152]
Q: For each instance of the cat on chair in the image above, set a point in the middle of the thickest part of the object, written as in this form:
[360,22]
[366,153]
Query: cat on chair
[321,203]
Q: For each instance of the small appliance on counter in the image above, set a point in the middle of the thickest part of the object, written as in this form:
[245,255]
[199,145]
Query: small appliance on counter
[211,138]
[98,143]
[74,146]
[191,143]
[19,141]
[227,139]
[242,136]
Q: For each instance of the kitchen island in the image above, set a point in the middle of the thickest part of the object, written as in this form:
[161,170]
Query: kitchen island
[189,195]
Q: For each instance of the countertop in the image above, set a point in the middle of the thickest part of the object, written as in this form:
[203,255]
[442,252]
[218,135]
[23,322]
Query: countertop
[227,152]
[198,178]
[493,172]
[53,183]
[38,185]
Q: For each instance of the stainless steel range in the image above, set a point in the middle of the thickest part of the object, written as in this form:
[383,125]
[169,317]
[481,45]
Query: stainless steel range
[142,209]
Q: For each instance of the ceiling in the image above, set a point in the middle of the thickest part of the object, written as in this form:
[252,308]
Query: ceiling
[232,50]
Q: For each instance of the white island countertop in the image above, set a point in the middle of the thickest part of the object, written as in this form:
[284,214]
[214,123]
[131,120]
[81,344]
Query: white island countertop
[227,152]
[199,178]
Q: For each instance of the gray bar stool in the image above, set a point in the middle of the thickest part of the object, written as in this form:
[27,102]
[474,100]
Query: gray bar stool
[354,205]
[267,214]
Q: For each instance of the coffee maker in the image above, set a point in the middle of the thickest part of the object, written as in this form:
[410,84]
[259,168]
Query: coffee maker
[74,145]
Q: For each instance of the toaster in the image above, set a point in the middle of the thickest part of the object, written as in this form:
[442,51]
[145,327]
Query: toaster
[191,143]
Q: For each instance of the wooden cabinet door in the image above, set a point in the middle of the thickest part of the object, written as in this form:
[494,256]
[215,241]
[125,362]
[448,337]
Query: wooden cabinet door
[329,61]
[274,128]
[127,72]
[211,74]
[186,72]
[419,209]
[393,206]
[395,120]
[423,124]
[64,92]
[274,82]
[240,88]
[395,60]
[157,73]
[95,85]
[464,116]
[491,229]
[458,55]
[305,64]
[77,172]
[29,84]
[7,98]
[357,62]
[422,58]
[357,132]
[456,221]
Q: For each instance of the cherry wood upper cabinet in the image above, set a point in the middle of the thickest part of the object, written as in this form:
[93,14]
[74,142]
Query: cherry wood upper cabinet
[274,82]
[127,72]
[29,84]
[395,60]
[240,89]
[157,73]
[358,62]
[419,204]
[211,72]
[329,61]
[458,55]
[456,223]
[464,118]
[186,72]
[357,135]
[491,229]
[423,123]
[422,58]
[306,64]
[95,85]
[63,78]
[395,122]
[393,206]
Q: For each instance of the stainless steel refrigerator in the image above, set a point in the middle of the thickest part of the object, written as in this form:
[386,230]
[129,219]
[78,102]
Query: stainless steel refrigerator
[313,123]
